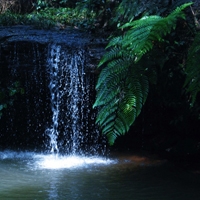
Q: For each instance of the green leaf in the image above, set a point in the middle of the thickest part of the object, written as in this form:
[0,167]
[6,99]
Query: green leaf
[123,86]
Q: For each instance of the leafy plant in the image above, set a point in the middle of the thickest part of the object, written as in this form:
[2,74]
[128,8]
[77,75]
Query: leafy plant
[122,85]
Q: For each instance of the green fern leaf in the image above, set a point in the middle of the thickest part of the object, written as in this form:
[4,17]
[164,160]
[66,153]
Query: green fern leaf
[115,41]
[121,102]
[139,39]
[123,86]
[112,54]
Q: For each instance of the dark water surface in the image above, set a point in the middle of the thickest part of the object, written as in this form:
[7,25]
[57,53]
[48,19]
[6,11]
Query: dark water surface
[37,177]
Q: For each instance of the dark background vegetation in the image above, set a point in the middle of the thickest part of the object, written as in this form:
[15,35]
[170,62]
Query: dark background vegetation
[168,124]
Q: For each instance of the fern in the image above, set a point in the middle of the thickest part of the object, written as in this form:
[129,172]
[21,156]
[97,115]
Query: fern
[192,82]
[145,31]
[121,92]
[120,98]
[122,86]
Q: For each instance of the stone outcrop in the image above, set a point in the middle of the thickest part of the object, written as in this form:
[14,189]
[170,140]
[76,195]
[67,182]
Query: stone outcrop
[70,38]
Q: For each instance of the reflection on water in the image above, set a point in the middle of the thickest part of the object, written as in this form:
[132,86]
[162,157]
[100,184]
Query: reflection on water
[64,162]
[27,176]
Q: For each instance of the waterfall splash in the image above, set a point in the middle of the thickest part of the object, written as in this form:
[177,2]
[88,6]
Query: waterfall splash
[73,128]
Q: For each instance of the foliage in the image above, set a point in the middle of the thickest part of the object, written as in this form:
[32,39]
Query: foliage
[143,33]
[63,16]
[122,86]
[9,19]
[122,90]
[47,18]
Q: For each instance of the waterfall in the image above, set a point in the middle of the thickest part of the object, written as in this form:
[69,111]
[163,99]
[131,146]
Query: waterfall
[73,129]
[55,113]
[55,96]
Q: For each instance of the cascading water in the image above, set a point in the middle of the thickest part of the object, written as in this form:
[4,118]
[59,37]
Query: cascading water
[73,128]
[51,125]
[55,112]
[55,97]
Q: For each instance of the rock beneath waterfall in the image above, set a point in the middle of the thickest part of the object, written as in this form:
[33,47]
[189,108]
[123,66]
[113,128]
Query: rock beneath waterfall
[69,37]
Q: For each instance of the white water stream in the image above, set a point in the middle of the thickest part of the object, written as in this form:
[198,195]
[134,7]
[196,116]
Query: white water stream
[73,121]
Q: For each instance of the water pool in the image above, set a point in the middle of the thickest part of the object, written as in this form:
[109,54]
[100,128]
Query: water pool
[49,177]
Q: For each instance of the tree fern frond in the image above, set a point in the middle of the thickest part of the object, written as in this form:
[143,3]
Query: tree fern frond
[181,7]
[118,110]
[123,86]
[115,41]
[105,111]
[113,68]
[111,54]
[139,39]
[108,94]
[109,127]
